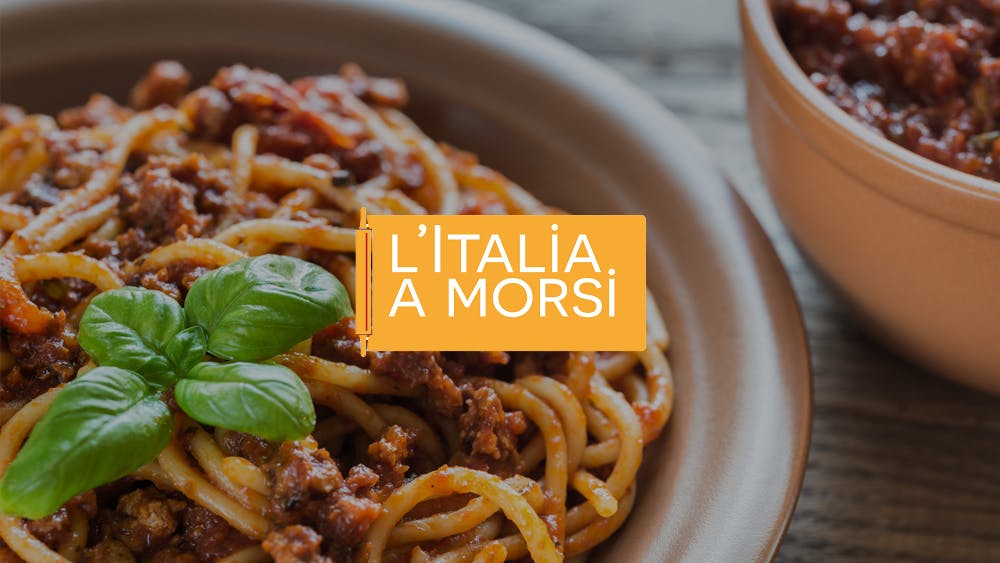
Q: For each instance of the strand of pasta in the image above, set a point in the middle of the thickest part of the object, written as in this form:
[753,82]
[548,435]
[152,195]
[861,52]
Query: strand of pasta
[602,528]
[8,410]
[202,251]
[316,235]
[439,172]
[22,150]
[596,492]
[187,480]
[427,441]
[480,178]
[546,420]
[580,368]
[252,554]
[244,473]
[617,365]
[347,404]
[464,546]
[73,545]
[102,181]
[452,480]
[492,553]
[12,529]
[660,387]
[75,226]
[611,403]
[580,518]
[345,376]
[291,203]
[52,265]
[634,389]
[244,147]
[19,313]
[477,511]
[210,458]
[561,398]
[14,217]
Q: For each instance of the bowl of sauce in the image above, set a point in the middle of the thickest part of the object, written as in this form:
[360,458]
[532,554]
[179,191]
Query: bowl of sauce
[876,126]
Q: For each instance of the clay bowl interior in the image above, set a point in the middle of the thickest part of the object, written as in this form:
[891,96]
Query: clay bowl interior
[721,483]
[910,243]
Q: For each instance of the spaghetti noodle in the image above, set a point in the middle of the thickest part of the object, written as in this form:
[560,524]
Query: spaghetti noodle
[484,456]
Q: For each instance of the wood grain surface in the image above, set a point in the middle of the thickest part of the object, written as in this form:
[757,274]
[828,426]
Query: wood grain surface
[903,466]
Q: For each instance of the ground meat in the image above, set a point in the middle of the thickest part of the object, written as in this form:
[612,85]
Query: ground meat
[38,194]
[168,198]
[74,156]
[924,74]
[530,363]
[210,112]
[100,111]
[175,280]
[41,362]
[165,83]
[214,186]
[361,479]
[364,161]
[420,371]
[60,294]
[56,530]
[479,364]
[144,520]
[289,124]
[308,489]
[173,555]
[241,444]
[339,343]
[490,434]
[208,535]
[158,204]
[388,456]
[382,91]
[127,246]
[108,551]
[294,543]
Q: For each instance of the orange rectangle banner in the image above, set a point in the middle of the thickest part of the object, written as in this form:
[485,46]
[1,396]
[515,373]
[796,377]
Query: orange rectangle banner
[502,282]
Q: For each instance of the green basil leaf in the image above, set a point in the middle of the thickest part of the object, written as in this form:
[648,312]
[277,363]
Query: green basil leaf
[187,348]
[266,400]
[101,427]
[129,328]
[257,308]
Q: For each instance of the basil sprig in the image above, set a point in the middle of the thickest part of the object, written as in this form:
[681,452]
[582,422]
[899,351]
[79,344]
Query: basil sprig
[111,420]
[257,309]
[249,398]
[99,428]
[130,328]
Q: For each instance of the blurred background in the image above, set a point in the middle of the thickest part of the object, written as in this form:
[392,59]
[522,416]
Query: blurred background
[903,466]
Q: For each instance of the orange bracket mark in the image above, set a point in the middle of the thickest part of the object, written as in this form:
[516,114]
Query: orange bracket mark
[363,281]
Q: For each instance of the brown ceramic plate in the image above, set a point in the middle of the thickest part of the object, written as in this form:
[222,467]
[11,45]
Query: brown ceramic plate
[721,484]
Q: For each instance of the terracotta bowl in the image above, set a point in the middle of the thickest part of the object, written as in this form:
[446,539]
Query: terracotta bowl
[721,482]
[912,244]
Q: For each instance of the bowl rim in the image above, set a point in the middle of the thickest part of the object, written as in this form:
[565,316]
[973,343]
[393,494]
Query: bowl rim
[648,120]
[759,14]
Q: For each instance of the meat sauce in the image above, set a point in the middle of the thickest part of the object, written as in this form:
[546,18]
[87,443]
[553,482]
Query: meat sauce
[923,73]
[321,506]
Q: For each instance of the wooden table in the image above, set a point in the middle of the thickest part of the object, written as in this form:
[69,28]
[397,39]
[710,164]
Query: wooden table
[903,466]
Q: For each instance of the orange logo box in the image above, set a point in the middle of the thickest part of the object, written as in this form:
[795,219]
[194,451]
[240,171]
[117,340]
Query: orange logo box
[502,282]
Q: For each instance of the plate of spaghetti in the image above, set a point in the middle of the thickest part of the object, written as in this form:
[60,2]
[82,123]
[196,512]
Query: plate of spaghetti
[198,202]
